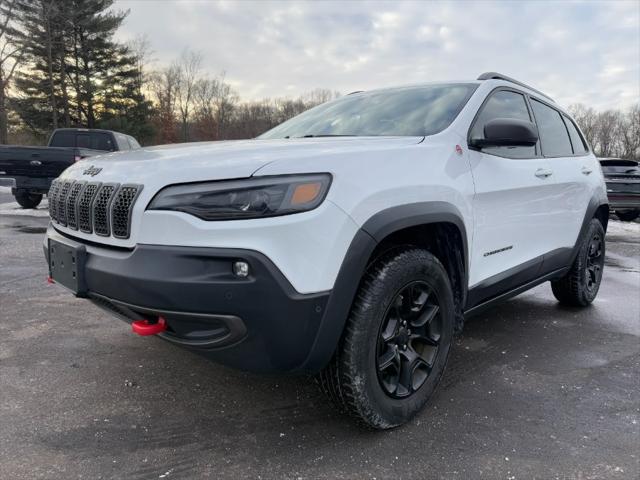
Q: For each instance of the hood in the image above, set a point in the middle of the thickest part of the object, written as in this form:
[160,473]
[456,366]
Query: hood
[191,162]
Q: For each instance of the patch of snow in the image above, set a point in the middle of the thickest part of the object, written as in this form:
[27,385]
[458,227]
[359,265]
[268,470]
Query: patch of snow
[617,227]
[12,208]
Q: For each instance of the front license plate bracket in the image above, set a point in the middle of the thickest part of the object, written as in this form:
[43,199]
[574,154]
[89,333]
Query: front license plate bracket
[67,265]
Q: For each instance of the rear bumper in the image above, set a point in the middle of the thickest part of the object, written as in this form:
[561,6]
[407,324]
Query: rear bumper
[258,323]
[39,185]
[623,193]
[619,200]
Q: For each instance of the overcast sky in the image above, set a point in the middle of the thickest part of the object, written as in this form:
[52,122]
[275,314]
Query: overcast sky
[585,51]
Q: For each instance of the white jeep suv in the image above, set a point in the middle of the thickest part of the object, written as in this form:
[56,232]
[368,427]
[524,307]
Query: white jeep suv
[351,241]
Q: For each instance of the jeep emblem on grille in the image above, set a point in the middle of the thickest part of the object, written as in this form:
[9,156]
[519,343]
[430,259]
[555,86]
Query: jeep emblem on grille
[93,171]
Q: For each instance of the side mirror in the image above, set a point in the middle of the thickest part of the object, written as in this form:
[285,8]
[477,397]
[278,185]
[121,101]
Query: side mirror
[507,132]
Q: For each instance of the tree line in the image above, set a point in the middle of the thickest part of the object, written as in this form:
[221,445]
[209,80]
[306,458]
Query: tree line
[62,66]
[612,133]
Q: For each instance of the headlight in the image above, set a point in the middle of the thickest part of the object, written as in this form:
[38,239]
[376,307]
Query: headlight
[242,199]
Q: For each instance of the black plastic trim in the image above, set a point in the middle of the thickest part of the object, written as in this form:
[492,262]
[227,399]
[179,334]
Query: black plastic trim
[481,307]
[224,330]
[357,260]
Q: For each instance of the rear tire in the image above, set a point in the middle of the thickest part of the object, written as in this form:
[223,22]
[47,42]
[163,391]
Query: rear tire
[28,200]
[628,215]
[396,341]
[580,285]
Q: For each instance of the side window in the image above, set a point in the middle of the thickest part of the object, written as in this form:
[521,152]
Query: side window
[102,141]
[123,144]
[63,139]
[554,137]
[577,142]
[133,142]
[503,104]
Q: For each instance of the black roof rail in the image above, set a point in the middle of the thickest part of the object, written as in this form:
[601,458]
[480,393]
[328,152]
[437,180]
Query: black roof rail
[499,76]
[357,91]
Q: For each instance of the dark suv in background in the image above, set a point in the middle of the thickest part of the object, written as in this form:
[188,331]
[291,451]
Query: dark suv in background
[623,187]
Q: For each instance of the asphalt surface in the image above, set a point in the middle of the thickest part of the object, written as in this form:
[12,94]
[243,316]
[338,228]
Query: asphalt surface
[533,390]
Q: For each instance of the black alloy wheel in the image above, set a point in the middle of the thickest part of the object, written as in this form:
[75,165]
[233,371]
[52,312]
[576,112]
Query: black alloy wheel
[408,342]
[594,263]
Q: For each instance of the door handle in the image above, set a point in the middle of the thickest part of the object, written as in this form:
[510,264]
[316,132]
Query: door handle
[543,173]
[586,170]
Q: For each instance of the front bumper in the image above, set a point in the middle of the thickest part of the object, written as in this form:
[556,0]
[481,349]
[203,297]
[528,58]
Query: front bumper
[258,323]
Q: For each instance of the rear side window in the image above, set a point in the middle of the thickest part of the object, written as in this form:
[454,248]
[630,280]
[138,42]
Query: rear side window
[133,142]
[554,137]
[123,143]
[101,141]
[503,104]
[63,139]
[577,142]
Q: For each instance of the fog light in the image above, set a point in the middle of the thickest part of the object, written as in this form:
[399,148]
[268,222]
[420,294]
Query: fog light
[241,269]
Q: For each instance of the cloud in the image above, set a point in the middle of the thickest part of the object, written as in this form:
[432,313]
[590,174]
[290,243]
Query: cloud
[575,51]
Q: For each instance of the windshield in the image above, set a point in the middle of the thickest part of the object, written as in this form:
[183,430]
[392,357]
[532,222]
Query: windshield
[407,111]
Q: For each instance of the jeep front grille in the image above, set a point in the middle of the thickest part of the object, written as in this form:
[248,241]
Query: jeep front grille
[103,209]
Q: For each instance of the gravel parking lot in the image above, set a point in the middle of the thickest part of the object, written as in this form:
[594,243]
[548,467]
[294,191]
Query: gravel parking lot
[533,390]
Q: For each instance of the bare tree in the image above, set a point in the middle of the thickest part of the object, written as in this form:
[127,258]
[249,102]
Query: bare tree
[606,133]
[225,102]
[587,119]
[189,66]
[141,49]
[10,57]
[629,132]
[164,86]
[205,91]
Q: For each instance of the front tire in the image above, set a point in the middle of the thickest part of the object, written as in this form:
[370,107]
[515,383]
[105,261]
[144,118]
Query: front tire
[28,200]
[628,215]
[396,342]
[580,285]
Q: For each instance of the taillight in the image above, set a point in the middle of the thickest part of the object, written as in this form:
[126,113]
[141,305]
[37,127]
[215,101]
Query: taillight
[77,158]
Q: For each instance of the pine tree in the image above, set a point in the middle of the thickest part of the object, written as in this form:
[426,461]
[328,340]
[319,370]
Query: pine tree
[78,74]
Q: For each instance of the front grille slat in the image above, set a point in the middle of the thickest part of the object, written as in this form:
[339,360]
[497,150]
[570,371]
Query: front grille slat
[72,204]
[100,208]
[61,200]
[121,210]
[51,196]
[85,207]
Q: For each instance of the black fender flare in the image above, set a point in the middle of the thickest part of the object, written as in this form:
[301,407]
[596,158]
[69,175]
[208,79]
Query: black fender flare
[356,261]
[594,205]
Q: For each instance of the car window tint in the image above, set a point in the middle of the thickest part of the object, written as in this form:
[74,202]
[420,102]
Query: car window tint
[101,141]
[503,104]
[63,139]
[554,138]
[576,139]
[83,140]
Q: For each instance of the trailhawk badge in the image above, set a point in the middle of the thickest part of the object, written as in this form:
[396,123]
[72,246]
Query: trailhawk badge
[93,171]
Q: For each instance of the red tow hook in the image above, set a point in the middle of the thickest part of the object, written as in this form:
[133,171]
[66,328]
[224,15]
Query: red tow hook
[50,280]
[144,327]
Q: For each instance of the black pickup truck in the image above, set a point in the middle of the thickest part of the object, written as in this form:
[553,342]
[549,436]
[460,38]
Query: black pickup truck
[34,168]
